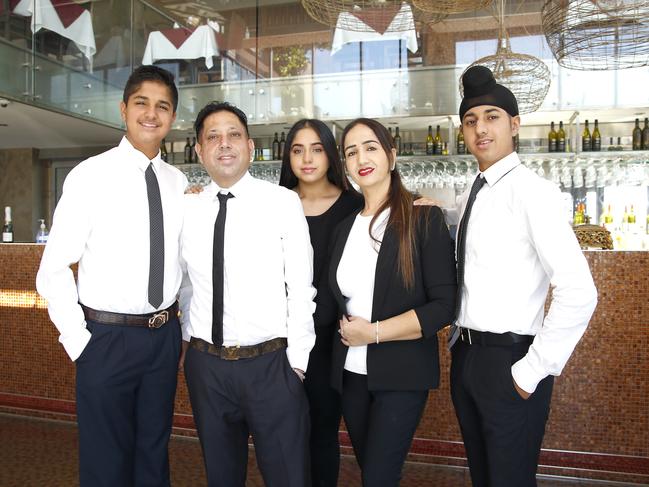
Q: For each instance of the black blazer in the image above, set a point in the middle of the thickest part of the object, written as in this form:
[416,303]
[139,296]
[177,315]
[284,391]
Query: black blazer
[403,364]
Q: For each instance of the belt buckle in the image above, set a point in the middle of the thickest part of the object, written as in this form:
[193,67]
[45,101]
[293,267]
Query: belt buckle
[230,353]
[159,319]
[468,331]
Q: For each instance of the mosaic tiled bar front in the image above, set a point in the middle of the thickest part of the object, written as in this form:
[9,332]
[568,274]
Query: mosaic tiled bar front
[599,421]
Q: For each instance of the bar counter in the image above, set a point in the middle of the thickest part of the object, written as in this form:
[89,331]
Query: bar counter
[599,419]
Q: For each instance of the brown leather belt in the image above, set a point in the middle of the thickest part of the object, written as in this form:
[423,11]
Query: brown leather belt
[236,352]
[150,320]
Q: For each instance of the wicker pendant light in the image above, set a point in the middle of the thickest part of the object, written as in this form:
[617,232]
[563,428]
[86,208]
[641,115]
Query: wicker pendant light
[424,18]
[450,6]
[526,76]
[362,15]
[597,34]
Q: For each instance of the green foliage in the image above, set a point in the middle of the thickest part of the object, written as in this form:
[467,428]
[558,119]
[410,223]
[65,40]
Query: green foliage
[289,61]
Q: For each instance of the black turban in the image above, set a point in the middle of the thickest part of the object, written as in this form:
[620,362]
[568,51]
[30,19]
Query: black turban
[480,88]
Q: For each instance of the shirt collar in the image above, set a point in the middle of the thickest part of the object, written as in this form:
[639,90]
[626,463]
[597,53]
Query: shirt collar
[241,188]
[497,171]
[138,157]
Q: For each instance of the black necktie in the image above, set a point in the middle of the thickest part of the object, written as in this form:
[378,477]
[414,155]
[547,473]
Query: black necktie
[156,239]
[461,244]
[217,270]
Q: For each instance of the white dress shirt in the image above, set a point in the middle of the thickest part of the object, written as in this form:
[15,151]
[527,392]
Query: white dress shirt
[355,274]
[518,244]
[102,222]
[268,268]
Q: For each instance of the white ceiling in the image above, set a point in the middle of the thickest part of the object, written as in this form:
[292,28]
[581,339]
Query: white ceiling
[29,126]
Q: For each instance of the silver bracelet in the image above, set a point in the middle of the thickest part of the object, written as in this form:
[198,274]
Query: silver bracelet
[376,331]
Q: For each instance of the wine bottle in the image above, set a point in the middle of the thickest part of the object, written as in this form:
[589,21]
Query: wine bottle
[163,151]
[397,141]
[516,141]
[193,154]
[586,142]
[579,214]
[444,149]
[645,135]
[188,152]
[438,143]
[280,148]
[8,227]
[561,139]
[606,219]
[611,146]
[459,143]
[637,135]
[625,220]
[430,150]
[596,138]
[631,217]
[552,139]
[276,154]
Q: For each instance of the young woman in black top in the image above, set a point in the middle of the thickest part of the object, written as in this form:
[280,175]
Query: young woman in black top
[311,167]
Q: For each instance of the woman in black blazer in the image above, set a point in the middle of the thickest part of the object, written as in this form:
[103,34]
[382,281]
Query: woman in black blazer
[392,281]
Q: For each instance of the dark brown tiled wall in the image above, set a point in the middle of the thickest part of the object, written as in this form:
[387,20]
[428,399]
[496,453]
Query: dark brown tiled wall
[599,421]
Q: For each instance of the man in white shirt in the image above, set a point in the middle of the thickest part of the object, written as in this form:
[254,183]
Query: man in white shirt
[246,311]
[512,244]
[120,218]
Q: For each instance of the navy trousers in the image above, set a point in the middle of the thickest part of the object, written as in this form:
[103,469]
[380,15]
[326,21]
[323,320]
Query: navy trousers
[260,396]
[126,383]
[502,432]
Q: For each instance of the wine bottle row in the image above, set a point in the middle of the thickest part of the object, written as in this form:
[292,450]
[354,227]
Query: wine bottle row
[435,145]
[591,142]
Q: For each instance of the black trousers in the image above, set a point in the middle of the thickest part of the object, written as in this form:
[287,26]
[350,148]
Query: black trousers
[381,426]
[261,396]
[126,383]
[325,412]
[502,432]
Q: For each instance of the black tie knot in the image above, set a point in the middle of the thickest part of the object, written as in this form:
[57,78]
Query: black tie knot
[479,182]
[224,197]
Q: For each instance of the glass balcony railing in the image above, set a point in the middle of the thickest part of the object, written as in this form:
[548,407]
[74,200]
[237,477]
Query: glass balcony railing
[35,79]
[271,60]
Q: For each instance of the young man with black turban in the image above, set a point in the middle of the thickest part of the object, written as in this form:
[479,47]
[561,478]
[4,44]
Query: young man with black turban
[513,243]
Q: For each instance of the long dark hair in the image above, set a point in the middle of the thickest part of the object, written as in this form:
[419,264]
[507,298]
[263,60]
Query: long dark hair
[399,200]
[335,173]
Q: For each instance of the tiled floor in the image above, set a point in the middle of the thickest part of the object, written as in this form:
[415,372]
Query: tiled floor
[41,453]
